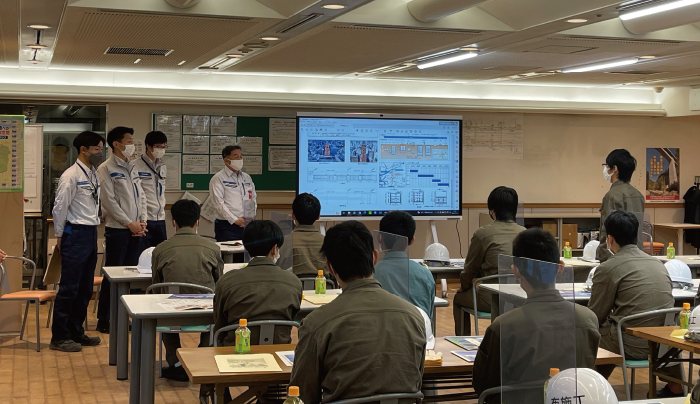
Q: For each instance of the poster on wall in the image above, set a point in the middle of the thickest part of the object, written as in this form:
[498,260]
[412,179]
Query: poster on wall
[663,174]
[171,125]
[11,152]
[172,163]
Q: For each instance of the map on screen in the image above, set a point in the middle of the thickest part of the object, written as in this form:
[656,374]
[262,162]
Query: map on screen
[368,166]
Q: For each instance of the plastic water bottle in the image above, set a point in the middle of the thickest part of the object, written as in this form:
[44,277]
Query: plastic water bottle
[242,337]
[684,317]
[670,251]
[568,252]
[320,284]
[293,396]
[552,373]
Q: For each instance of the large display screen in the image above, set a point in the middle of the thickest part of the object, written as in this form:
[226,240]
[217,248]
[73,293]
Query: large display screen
[359,165]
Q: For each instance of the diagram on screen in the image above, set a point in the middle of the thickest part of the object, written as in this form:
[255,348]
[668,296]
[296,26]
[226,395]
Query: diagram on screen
[347,197]
[440,197]
[393,198]
[427,175]
[392,175]
[363,151]
[416,196]
[341,175]
[328,151]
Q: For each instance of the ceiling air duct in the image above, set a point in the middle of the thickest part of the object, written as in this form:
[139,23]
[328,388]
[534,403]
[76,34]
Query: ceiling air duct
[433,10]
[660,15]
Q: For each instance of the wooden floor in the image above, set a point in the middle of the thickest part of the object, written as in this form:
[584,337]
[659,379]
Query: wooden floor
[27,376]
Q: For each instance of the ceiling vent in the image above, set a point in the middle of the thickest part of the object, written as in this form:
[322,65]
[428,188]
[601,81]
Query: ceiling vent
[398,27]
[116,50]
[303,21]
[562,50]
[512,68]
[637,72]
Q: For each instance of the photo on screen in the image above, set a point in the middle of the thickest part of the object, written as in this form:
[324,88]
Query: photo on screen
[363,151]
[326,151]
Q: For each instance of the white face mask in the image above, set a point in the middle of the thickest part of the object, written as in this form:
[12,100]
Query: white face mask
[277,257]
[608,177]
[129,150]
[237,164]
[158,153]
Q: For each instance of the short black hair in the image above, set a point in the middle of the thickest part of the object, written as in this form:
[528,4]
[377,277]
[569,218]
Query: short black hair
[185,213]
[306,208]
[155,137]
[624,161]
[229,149]
[541,247]
[399,223]
[349,247]
[259,236]
[86,139]
[117,134]
[504,202]
[623,226]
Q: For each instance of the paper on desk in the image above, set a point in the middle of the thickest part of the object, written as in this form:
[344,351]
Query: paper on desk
[680,334]
[470,344]
[468,356]
[245,363]
[184,296]
[319,299]
[287,357]
[187,304]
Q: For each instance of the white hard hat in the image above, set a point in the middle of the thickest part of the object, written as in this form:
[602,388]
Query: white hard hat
[580,386]
[589,280]
[589,249]
[694,320]
[436,255]
[145,260]
[679,272]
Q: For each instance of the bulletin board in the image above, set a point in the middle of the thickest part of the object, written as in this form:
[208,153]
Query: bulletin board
[181,141]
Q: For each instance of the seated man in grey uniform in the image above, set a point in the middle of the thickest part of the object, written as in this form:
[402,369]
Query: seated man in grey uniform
[524,343]
[630,282]
[366,341]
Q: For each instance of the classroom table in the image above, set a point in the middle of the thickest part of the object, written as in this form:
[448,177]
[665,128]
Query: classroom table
[147,314]
[679,227]
[513,293]
[228,251]
[123,279]
[662,335]
[200,365]
[580,267]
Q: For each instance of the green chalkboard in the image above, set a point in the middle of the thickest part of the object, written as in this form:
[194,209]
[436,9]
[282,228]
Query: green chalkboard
[268,180]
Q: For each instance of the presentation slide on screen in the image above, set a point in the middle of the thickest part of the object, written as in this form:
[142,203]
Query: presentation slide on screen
[370,166]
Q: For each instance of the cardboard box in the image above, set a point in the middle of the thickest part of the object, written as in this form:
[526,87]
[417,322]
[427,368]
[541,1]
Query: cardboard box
[569,232]
[550,226]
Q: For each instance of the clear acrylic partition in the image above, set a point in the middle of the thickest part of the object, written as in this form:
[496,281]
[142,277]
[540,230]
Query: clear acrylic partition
[392,266]
[286,223]
[640,230]
[520,215]
[537,337]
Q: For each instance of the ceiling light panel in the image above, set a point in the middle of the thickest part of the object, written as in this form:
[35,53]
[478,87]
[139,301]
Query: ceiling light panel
[601,66]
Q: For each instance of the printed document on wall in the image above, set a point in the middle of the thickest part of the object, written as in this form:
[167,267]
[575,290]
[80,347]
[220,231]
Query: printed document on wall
[283,131]
[195,164]
[171,125]
[11,153]
[282,158]
[172,167]
[492,136]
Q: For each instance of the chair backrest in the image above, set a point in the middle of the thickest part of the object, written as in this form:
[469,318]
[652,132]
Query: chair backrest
[310,283]
[174,287]
[392,398]
[506,389]
[53,270]
[5,282]
[267,330]
[476,282]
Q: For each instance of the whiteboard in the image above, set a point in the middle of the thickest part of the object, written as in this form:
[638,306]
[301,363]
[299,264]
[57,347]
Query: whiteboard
[33,172]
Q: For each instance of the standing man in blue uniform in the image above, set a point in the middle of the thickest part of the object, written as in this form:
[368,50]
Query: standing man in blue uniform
[75,218]
[152,173]
[234,196]
[124,210]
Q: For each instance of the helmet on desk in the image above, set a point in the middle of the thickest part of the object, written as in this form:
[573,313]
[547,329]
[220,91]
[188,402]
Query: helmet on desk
[436,255]
[679,272]
[145,260]
[694,320]
[589,250]
[580,386]
[589,280]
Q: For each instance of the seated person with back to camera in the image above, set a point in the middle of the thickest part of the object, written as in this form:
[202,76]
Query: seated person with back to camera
[185,258]
[366,341]
[306,239]
[399,275]
[486,245]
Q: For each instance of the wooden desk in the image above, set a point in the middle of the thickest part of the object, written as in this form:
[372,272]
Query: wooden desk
[201,367]
[662,335]
[678,227]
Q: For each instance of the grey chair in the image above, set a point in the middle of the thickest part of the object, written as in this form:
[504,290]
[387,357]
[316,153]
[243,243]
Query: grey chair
[174,288]
[267,330]
[474,312]
[391,398]
[28,296]
[637,364]
[309,283]
[98,279]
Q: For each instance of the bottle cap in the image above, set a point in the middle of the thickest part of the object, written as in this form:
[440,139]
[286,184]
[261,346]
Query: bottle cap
[320,272]
[553,372]
[293,391]
[567,243]
[670,244]
[686,305]
[242,322]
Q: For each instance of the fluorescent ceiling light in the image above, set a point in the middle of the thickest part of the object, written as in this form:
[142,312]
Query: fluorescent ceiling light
[270,38]
[451,59]
[181,63]
[577,20]
[137,60]
[234,55]
[334,6]
[647,57]
[469,48]
[601,66]
[36,46]
[658,9]
[38,26]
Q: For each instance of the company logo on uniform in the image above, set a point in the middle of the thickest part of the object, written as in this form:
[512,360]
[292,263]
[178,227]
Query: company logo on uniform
[82,183]
[117,176]
[230,184]
[145,176]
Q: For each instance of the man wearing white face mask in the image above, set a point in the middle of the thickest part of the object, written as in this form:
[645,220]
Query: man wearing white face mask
[234,196]
[617,170]
[124,210]
[152,172]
